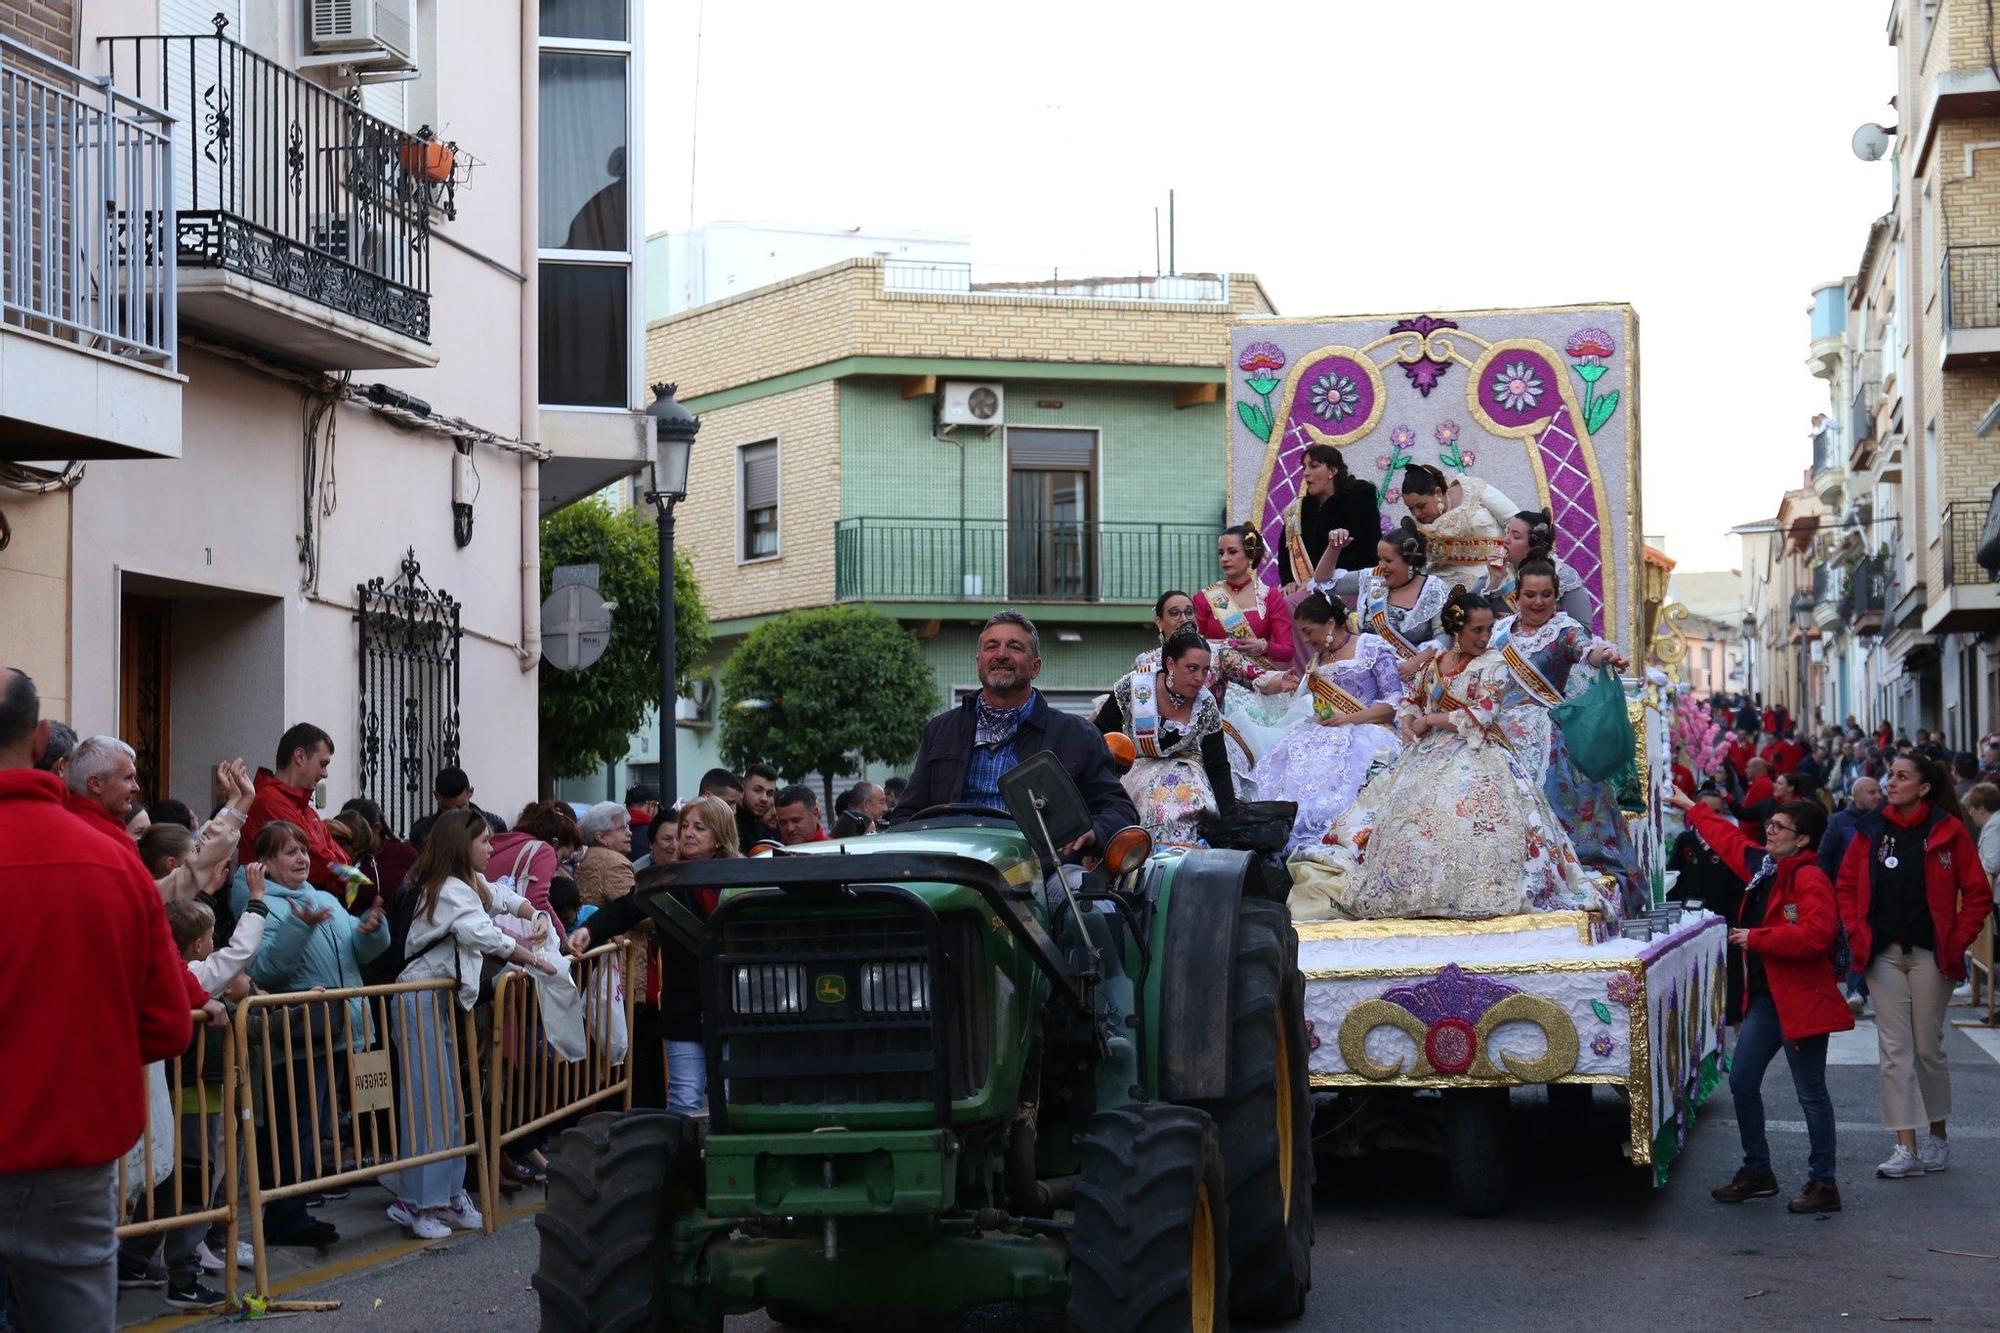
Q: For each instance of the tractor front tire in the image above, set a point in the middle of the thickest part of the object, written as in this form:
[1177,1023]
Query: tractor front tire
[616,1184]
[1150,1249]
[1265,1123]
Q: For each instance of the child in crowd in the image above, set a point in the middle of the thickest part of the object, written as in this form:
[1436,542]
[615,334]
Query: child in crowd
[567,903]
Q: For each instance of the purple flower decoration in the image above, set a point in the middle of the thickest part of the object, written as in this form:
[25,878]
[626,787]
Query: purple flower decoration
[1590,342]
[1467,457]
[1390,496]
[1425,371]
[1600,1045]
[1446,434]
[1265,356]
[1382,461]
[1402,437]
[1623,988]
[1334,396]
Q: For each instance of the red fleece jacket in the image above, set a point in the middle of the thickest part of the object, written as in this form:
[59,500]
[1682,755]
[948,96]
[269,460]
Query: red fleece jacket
[90,984]
[281,800]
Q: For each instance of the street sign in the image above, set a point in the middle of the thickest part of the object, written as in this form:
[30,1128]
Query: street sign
[576,621]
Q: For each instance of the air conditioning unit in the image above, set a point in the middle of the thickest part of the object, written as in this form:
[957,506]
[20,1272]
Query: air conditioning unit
[365,32]
[969,404]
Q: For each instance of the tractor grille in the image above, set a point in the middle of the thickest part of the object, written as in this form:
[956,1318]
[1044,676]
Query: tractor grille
[836,1009]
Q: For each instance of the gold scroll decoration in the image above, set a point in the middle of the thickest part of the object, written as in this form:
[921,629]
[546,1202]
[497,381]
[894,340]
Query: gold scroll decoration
[1557,1030]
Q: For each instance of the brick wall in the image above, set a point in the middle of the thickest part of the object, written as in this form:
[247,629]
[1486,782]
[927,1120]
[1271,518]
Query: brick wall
[47,25]
[1965,466]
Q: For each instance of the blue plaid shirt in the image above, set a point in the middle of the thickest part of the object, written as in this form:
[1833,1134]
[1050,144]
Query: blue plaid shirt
[985,764]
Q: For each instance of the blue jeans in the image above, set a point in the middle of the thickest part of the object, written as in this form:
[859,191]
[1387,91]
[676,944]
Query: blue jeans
[1757,1044]
[687,1077]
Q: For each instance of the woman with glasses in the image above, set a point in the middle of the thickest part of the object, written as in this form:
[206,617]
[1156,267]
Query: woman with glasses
[1913,898]
[1784,934]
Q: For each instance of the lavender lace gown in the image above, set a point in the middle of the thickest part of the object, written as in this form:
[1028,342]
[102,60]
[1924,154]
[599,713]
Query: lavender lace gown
[1322,767]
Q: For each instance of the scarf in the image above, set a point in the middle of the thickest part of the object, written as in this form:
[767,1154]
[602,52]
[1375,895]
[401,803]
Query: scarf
[996,726]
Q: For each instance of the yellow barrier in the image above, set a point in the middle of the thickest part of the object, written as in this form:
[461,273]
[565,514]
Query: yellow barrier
[165,1206]
[533,1087]
[352,1084]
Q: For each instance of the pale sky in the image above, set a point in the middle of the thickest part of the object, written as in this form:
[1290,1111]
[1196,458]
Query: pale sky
[1688,156]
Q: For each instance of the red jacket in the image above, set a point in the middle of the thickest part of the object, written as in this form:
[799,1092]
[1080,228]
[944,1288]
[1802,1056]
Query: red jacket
[90,984]
[1784,756]
[281,800]
[1684,778]
[1795,939]
[1761,791]
[1960,894]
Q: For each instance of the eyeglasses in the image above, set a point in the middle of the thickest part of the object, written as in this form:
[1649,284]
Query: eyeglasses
[1182,613]
[1773,826]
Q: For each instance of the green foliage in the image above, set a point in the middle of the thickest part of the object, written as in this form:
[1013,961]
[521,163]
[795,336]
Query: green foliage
[840,681]
[588,716]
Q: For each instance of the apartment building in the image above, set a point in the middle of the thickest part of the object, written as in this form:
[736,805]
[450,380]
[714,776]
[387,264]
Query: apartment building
[313,310]
[906,436]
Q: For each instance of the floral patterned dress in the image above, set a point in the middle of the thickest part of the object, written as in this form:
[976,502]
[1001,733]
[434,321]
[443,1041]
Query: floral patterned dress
[1457,827]
[1467,535]
[1166,781]
[1540,675]
[1321,765]
[1409,629]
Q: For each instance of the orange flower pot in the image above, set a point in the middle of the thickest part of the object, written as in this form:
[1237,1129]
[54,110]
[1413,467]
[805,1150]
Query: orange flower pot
[428,160]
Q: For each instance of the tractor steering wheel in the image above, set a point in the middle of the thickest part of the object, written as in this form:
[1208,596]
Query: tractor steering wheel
[961,808]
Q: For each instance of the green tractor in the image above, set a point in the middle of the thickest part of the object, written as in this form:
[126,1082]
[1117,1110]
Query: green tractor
[943,1079]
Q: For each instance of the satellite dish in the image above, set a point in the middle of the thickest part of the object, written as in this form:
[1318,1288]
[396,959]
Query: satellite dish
[1870,142]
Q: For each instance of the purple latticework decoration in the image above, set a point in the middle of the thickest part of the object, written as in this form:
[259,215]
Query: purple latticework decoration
[1573,502]
[1450,994]
[1425,372]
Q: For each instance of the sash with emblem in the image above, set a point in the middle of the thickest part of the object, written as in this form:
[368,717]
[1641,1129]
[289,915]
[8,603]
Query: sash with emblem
[1378,619]
[1145,715]
[1530,677]
[1331,701]
[1234,623]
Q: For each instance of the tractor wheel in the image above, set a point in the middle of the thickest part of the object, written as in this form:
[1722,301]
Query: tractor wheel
[1150,1250]
[616,1183]
[1479,1149]
[1265,1123]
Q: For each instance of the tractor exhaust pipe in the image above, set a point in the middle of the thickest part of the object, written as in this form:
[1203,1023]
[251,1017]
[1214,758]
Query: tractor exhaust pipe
[1030,1196]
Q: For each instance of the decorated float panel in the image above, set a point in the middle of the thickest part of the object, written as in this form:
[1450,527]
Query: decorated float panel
[1538,402]
[1523,1000]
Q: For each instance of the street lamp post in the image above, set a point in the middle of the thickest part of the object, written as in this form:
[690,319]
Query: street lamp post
[674,429]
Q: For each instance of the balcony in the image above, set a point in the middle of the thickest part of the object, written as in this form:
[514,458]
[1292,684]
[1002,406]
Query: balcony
[1829,325]
[1970,283]
[301,223]
[1826,596]
[948,560]
[1861,428]
[1863,597]
[1829,470]
[1968,596]
[87,342]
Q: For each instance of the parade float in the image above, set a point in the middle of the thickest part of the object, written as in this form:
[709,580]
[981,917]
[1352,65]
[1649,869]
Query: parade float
[1420,1029]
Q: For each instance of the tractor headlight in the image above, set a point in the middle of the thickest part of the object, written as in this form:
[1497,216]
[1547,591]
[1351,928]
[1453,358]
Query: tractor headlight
[771,988]
[896,988]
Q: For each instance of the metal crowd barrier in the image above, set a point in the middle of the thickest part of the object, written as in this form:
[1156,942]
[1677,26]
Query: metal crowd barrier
[181,1200]
[349,1085]
[534,1088]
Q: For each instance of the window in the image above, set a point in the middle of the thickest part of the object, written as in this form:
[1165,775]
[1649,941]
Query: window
[757,494]
[583,121]
[591,20]
[584,337]
[1051,541]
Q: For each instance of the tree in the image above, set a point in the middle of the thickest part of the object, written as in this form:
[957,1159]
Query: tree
[588,716]
[813,691]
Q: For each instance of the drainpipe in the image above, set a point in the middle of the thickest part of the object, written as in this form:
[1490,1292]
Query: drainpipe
[531,360]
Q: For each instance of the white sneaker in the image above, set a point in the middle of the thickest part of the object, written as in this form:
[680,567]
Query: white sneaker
[1934,1153]
[460,1213]
[423,1224]
[1901,1163]
[211,1261]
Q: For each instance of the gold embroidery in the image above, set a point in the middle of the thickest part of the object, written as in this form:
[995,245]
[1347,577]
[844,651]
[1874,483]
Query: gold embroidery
[1520,923]
[1557,1030]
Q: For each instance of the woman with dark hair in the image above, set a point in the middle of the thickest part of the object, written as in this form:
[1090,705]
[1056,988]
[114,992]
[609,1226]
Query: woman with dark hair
[1913,898]
[1328,526]
[1350,692]
[1784,933]
[1456,827]
[1240,608]
[1168,711]
[1540,647]
[1400,601]
[1531,535]
[1462,517]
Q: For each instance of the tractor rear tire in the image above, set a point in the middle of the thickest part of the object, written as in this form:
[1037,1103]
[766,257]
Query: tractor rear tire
[1150,1249]
[616,1183]
[1265,1123]
[1479,1149]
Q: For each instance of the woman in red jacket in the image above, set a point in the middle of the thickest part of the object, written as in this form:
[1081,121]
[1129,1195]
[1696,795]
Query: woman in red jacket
[1786,929]
[1913,898]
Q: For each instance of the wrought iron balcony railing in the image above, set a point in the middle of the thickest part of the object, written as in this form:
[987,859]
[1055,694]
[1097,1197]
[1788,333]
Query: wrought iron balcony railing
[287,183]
[86,187]
[1971,287]
[1958,535]
[1861,427]
[982,559]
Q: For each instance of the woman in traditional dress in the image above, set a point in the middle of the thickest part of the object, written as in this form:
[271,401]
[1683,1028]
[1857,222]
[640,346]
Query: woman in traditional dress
[1531,535]
[1167,713]
[1240,608]
[1353,689]
[1328,527]
[1400,602]
[1540,646]
[1462,519]
[1459,827]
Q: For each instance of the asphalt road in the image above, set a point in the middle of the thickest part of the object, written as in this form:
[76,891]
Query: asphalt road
[1587,1241]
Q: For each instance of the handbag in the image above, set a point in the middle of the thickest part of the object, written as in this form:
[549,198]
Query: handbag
[1251,826]
[1596,728]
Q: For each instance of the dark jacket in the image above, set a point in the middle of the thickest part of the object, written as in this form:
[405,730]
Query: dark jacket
[1794,939]
[1955,886]
[938,775]
[1841,827]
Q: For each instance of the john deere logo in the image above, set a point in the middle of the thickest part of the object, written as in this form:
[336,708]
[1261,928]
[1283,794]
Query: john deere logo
[830,988]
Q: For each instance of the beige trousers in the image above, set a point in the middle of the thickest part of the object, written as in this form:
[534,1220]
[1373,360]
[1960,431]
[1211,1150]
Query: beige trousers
[1910,996]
